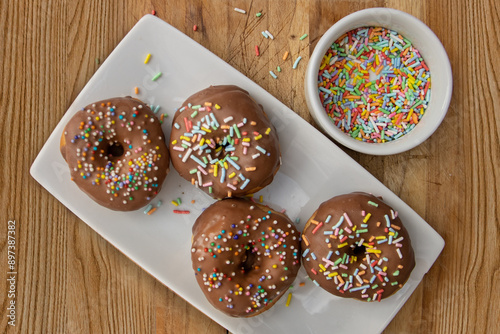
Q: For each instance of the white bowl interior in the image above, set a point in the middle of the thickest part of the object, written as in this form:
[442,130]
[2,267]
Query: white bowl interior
[430,49]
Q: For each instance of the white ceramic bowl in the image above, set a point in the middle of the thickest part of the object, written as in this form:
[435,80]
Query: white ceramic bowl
[430,49]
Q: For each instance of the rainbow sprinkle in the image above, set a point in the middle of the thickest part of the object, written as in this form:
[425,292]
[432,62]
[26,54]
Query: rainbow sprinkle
[157,75]
[269,34]
[150,209]
[289,299]
[296,63]
[374,84]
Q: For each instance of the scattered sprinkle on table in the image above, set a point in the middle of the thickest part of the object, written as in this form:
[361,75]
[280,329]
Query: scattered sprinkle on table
[182,212]
[147,58]
[273,75]
[157,75]
[153,12]
[289,299]
[269,34]
[257,53]
[195,27]
[374,84]
[162,116]
[136,90]
[296,63]
[285,56]
[303,37]
[239,10]
[259,14]
[177,201]
[97,61]
[150,209]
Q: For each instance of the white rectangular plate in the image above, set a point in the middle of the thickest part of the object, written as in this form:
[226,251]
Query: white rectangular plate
[314,169]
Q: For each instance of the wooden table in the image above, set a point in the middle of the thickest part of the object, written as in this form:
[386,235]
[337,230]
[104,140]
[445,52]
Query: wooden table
[70,280]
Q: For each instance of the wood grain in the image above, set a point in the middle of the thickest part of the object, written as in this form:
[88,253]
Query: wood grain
[70,280]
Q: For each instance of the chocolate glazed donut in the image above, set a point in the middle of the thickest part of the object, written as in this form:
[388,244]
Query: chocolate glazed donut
[116,153]
[244,255]
[223,142]
[356,246]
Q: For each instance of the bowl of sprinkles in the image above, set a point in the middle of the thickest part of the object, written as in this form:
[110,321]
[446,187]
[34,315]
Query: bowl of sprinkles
[379,82]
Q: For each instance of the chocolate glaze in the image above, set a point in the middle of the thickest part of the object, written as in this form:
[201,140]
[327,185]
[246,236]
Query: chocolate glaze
[240,116]
[241,246]
[121,166]
[387,276]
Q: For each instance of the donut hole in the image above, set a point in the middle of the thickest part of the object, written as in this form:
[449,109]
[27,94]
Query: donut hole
[248,260]
[357,250]
[115,150]
[221,144]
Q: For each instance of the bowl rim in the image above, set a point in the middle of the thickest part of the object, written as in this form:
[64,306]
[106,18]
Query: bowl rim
[317,111]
